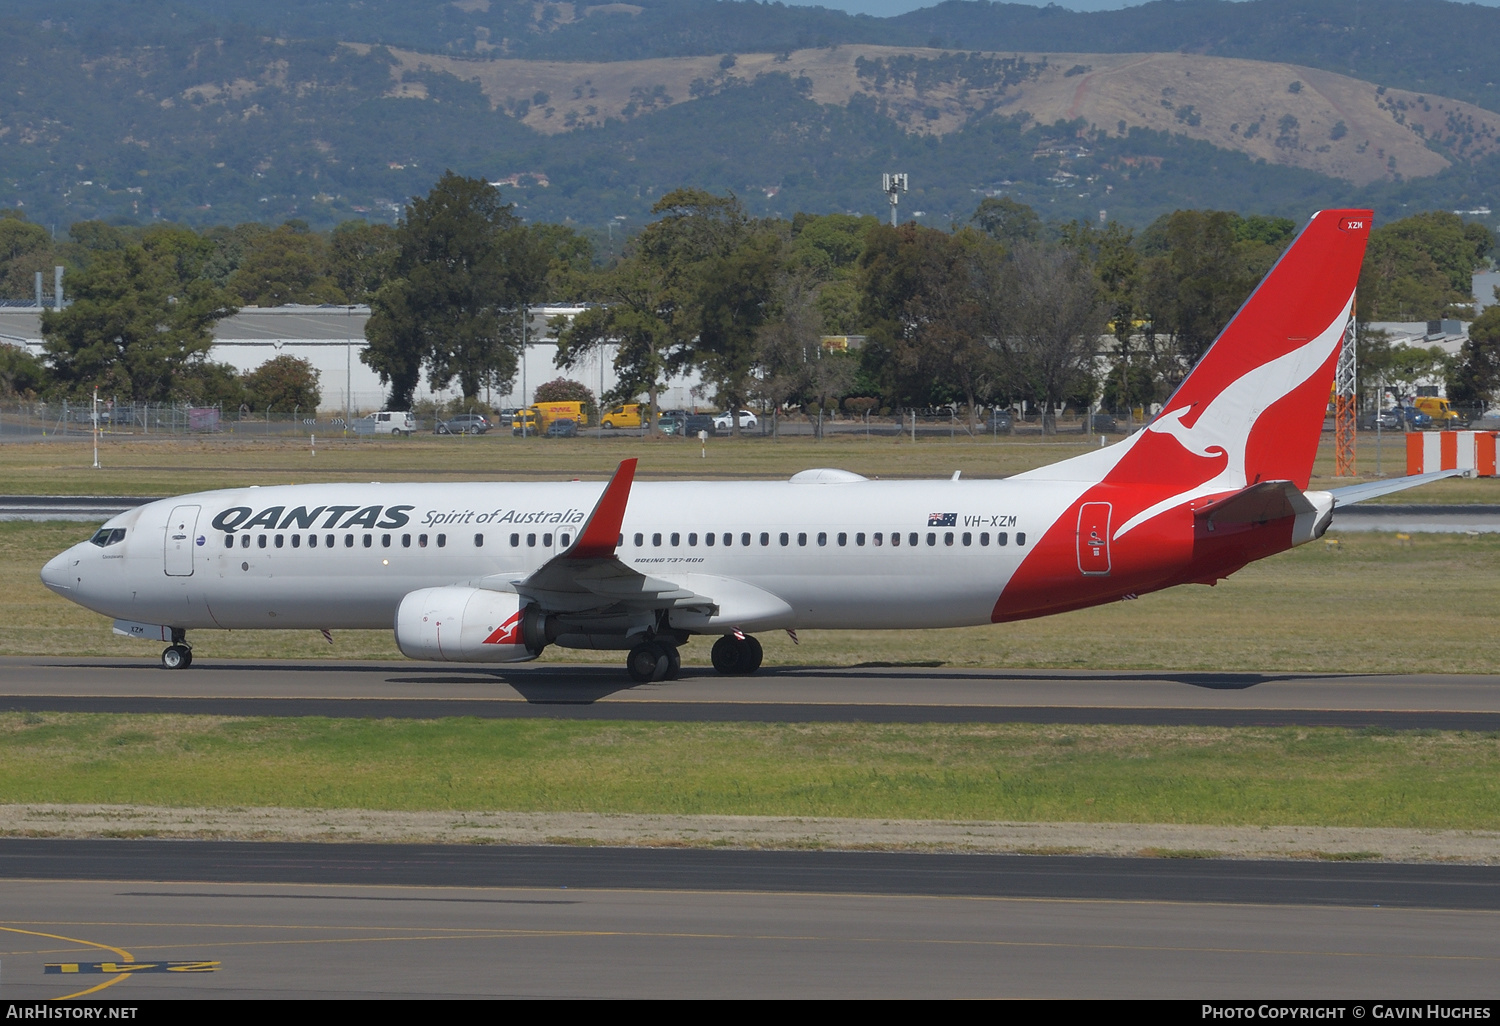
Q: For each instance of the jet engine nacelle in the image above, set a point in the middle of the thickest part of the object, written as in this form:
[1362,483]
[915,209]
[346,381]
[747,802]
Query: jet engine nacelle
[469,625]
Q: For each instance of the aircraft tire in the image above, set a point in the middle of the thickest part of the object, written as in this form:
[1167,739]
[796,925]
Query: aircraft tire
[754,654]
[177,657]
[735,658]
[646,662]
[674,661]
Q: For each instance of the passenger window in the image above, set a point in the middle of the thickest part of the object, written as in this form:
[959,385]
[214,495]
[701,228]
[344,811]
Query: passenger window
[530,540]
[370,540]
[745,538]
[859,539]
[421,541]
[911,539]
[931,538]
[968,538]
[843,538]
[765,538]
[947,537]
[728,538]
[822,537]
[442,540]
[515,541]
[566,540]
[785,538]
[692,538]
[708,539]
[296,541]
[260,541]
[984,537]
[385,541]
[1020,537]
[312,541]
[640,539]
[546,540]
[676,538]
[877,539]
[802,538]
[349,541]
[1001,538]
[895,537]
[405,541]
[479,541]
[229,541]
[656,538]
[280,540]
[328,540]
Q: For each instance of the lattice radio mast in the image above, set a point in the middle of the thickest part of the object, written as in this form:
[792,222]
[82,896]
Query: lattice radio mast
[1345,399]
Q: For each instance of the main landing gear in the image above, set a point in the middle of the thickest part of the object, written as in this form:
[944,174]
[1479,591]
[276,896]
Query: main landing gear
[736,656]
[653,660]
[178,656]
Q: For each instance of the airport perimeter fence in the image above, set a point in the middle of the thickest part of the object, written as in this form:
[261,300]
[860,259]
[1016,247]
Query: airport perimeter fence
[68,419]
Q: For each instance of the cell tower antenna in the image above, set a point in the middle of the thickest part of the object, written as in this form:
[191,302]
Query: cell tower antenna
[894,185]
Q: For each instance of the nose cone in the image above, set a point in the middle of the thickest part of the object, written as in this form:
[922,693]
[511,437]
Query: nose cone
[56,574]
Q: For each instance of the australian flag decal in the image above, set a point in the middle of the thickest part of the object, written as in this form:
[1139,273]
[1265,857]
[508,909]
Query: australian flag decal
[942,520]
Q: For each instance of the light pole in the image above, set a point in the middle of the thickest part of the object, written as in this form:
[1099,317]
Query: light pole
[348,362]
[894,185]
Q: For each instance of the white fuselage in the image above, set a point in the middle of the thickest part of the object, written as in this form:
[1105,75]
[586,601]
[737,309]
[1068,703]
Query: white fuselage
[344,556]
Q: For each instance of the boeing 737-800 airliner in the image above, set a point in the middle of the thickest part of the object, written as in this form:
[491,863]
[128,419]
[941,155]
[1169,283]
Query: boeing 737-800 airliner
[495,572]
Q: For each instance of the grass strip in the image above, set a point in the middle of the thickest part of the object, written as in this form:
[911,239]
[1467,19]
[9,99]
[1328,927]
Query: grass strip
[1011,772]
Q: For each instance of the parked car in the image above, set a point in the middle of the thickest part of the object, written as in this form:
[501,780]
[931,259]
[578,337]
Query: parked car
[463,424]
[624,415]
[1387,420]
[1415,419]
[386,423]
[562,427]
[747,420]
[680,422]
[1001,422]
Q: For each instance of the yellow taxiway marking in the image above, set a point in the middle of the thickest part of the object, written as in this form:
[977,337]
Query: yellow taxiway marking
[125,957]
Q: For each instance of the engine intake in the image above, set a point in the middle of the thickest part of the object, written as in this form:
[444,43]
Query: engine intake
[469,625]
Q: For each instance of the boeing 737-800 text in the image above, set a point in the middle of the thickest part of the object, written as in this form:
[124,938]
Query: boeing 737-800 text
[495,572]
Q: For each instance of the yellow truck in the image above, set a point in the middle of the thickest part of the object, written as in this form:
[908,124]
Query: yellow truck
[1443,415]
[536,418]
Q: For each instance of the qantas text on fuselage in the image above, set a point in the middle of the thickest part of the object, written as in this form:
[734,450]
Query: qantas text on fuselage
[495,572]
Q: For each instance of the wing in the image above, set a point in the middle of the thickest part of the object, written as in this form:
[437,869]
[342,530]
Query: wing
[588,582]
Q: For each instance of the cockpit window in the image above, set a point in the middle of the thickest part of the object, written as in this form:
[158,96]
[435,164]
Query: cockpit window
[108,536]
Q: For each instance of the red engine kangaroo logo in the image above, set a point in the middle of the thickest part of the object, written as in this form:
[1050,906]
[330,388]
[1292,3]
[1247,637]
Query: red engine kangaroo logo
[508,633]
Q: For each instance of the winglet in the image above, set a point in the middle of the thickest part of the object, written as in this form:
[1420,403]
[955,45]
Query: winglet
[601,532]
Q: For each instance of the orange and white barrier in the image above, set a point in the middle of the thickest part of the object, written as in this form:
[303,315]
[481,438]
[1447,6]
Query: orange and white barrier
[1427,451]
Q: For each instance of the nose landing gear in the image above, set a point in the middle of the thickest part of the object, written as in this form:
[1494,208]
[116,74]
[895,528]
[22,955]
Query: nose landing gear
[736,656]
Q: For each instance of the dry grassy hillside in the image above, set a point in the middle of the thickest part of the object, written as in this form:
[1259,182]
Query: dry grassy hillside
[1282,113]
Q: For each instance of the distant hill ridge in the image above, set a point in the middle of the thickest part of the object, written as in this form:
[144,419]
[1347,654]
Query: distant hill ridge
[1296,117]
[1422,45]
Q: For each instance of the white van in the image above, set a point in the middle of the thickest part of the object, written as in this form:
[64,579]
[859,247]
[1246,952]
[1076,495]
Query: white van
[386,423]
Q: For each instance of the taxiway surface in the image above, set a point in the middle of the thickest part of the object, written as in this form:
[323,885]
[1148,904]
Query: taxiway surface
[282,920]
[775,694]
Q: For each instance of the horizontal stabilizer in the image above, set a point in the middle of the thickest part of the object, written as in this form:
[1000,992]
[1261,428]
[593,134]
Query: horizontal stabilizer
[1259,504]
[1374,489]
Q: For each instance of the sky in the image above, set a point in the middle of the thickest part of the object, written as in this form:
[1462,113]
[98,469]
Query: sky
[890,8]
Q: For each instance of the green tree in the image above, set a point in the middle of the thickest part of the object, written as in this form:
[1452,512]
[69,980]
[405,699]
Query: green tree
[1475,379]
[464,270]
[140,319]
[20,373]
[1006,220]
[25,248]
[1053,317]
[1421,268]
[284,383]
[288,265]
[361,258]
[735,298]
